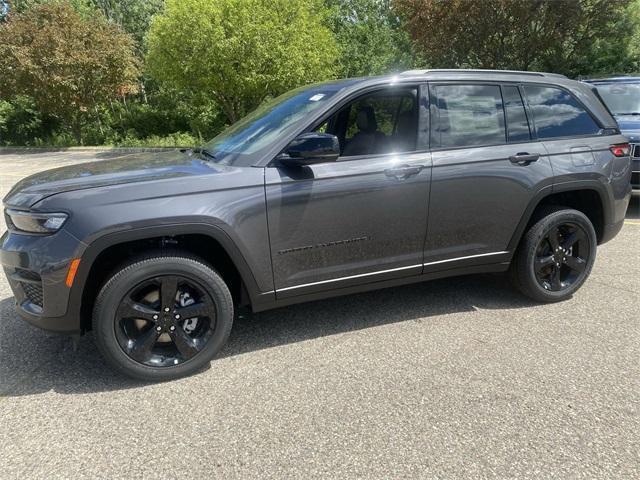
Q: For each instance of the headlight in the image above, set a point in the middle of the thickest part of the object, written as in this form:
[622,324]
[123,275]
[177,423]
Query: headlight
[32,222]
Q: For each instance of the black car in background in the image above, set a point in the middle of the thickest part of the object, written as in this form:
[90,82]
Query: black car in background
[622,97]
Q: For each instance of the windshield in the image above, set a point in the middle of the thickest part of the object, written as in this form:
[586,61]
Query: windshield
[621,98]
[248,138]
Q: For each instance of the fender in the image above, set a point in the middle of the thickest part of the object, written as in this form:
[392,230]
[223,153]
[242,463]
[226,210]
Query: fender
[99,244]
[549,190]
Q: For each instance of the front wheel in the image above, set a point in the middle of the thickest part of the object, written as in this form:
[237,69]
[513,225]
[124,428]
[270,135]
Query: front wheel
[162,317]
[555,256]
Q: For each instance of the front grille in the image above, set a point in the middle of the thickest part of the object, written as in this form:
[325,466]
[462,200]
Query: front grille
[33,291]
[635,150]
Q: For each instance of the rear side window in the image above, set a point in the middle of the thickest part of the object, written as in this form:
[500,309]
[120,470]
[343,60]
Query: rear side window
[557,114]
[517,123]
[467,115]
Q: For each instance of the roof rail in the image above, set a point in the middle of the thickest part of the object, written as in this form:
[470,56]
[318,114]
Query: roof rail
[480,71]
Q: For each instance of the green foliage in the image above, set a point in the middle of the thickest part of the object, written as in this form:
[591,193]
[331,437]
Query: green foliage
[20,121]
[574,37]
[83,7]
[133,16]
[69,69]
[179,139]
[67,64]
[633,15]
[239,52]
[369,36]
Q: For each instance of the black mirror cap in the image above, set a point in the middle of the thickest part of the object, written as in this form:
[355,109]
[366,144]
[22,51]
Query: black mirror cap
[310,148]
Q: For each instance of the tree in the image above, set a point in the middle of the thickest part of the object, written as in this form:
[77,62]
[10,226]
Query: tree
[83,7]
[67,64]
[554,35]
[370,37]
[134,16]
[633,13]
[239,52]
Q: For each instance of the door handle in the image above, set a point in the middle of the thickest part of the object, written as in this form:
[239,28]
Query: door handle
[523,158]
[402,172]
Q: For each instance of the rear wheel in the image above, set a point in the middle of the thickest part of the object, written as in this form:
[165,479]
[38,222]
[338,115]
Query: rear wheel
[556,255]
[162,317]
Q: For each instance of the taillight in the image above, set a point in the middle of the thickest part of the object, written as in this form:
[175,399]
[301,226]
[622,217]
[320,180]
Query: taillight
[620,150]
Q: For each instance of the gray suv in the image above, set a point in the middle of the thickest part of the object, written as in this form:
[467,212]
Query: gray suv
[330,189]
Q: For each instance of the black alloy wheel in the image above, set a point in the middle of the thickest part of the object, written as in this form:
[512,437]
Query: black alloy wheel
[562,256]
[555,255]
[163,316]
[165,321]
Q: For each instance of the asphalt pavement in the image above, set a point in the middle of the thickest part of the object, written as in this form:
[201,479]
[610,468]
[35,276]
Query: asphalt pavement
[456,378]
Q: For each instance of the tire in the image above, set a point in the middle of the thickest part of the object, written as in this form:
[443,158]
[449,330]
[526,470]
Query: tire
[547,274]
[140,339]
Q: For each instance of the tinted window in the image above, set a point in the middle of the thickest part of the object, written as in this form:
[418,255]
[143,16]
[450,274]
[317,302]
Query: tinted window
[557,114]
[467,115]
[382,122]
[517,124]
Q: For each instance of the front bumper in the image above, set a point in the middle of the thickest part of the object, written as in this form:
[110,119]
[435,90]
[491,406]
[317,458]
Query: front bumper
[36,268]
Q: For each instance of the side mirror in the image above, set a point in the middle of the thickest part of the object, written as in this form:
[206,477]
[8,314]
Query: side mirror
[310,148]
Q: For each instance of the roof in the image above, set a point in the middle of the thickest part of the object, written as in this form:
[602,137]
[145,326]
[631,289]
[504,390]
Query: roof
[614,80]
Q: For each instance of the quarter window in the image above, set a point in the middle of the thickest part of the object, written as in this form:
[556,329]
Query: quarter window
[467,115]
[557,114]
[517,124]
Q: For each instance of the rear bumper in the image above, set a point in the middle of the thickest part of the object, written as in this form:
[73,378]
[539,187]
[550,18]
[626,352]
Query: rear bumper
[36,269]
[611,230]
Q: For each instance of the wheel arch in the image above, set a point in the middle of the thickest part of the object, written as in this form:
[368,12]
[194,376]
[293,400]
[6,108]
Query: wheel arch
[589,197]
[208,242]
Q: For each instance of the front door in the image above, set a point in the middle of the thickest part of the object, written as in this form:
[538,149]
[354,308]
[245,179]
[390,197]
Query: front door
[362,218]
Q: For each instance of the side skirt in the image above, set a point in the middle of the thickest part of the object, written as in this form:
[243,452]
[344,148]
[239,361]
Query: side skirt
[269,304]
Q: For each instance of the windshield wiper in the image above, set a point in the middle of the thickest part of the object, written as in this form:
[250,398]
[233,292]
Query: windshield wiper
[200,151]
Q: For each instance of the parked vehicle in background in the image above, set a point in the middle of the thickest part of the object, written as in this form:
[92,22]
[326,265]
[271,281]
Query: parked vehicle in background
[330,189]
[622,96]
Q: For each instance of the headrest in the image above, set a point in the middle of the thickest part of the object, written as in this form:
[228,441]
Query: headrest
[366,120]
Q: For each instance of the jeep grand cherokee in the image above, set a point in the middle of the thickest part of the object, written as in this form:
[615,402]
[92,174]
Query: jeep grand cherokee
[330,189]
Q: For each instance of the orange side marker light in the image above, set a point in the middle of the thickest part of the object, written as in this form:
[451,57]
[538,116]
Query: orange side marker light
[73,269]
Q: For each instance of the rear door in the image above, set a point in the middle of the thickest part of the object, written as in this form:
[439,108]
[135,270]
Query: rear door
[486,168]
[362,218]
[569,133]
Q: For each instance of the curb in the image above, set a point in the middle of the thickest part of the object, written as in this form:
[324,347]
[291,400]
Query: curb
[14,150]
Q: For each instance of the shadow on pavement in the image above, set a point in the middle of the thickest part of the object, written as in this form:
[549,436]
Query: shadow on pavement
[32,361]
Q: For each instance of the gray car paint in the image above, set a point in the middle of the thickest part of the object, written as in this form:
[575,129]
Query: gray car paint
[365,229]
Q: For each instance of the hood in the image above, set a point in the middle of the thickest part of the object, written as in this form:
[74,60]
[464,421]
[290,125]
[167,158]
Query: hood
[630,126]
[128,169]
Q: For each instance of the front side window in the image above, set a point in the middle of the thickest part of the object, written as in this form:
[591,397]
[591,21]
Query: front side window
[244,142]
[381,122]
[466,116]
[557,114]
